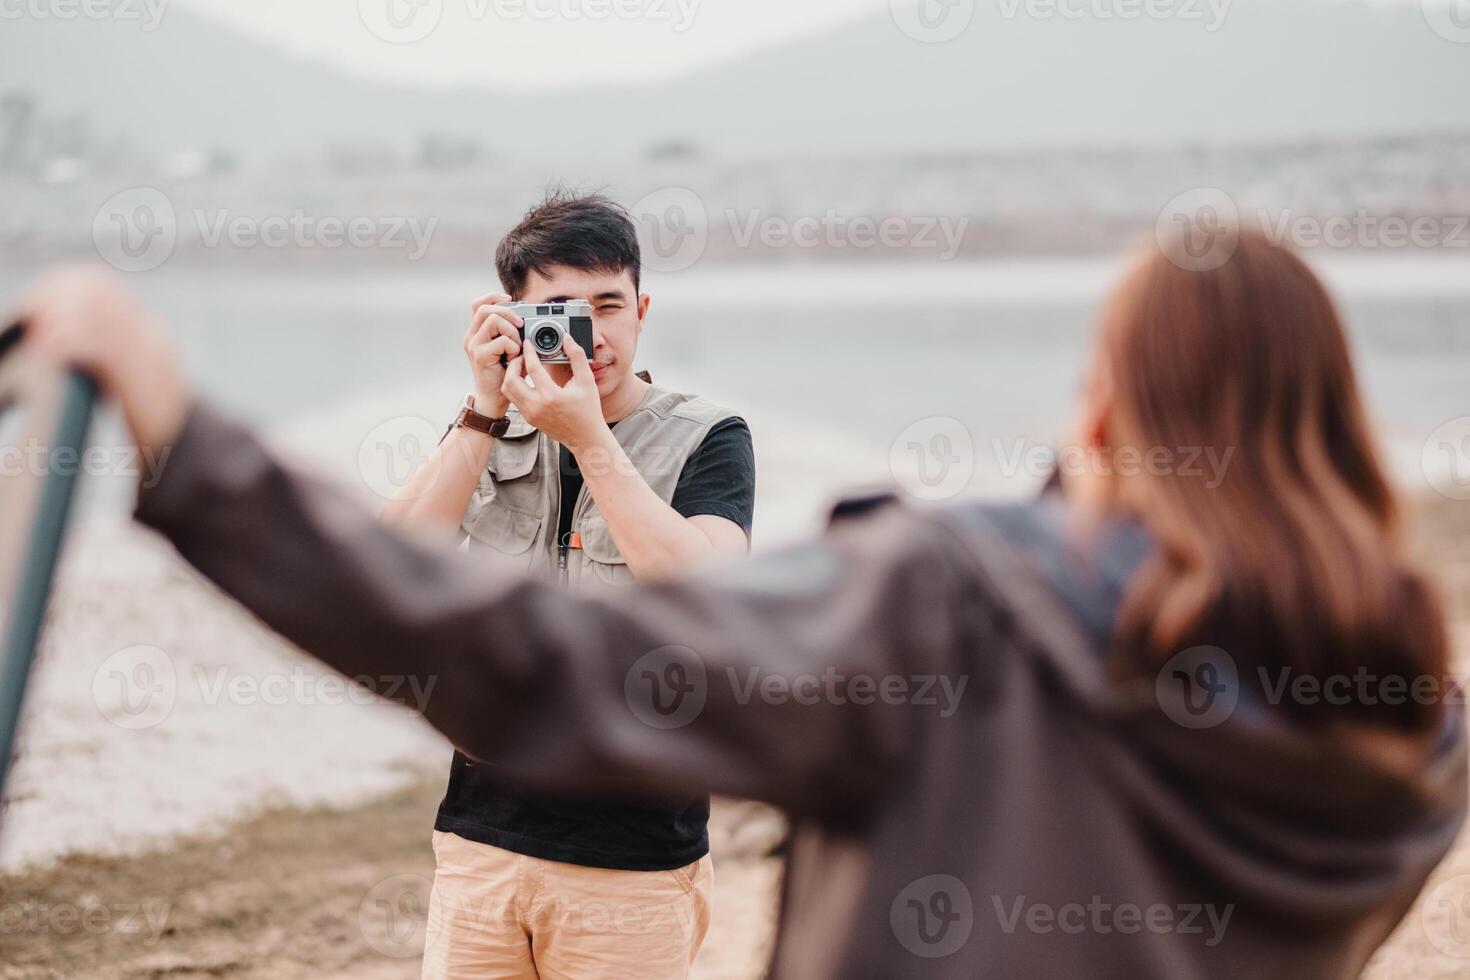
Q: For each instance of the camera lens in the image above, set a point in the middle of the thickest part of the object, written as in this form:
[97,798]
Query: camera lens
[547,339]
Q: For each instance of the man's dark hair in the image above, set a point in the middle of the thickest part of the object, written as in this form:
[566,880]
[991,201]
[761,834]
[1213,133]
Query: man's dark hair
[583,231]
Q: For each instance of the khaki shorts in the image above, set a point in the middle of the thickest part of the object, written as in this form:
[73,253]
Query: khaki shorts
[497,914]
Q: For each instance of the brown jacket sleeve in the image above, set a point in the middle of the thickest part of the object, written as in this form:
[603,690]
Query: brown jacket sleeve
[798,678]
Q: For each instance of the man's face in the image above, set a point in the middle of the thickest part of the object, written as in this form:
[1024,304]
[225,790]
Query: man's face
[617,319]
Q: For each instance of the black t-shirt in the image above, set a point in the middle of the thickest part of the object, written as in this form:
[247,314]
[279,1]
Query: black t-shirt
[719,479]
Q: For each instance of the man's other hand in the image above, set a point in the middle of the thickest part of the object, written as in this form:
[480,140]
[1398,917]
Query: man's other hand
[494,334]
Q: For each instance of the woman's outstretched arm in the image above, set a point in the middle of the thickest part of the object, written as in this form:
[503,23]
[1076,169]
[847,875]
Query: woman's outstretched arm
[798,678]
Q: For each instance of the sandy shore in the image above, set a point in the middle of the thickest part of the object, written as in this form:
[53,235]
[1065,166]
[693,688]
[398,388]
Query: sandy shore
[1430,941]
[312,894]
[302,892]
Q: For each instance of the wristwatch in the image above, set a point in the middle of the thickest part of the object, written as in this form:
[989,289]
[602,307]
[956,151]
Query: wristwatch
[471,419]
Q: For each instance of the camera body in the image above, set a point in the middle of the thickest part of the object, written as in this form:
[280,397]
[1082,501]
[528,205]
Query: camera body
[546,324]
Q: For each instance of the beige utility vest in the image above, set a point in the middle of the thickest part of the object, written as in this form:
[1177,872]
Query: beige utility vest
[517,503]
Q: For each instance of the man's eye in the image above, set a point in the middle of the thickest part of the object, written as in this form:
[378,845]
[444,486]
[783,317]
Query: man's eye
[610,308]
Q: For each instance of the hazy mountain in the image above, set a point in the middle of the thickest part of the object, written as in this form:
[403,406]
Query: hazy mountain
[1277,68]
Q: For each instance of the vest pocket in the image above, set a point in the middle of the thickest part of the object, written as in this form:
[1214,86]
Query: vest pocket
[509,531]
[505,511]
[601,560]
[513,457]
[511,481]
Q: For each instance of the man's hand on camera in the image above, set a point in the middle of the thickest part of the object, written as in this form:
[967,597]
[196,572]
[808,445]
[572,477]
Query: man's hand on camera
[494,333]
[570,413]
[86,318]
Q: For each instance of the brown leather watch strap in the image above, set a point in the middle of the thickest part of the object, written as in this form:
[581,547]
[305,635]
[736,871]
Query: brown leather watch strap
[471,419]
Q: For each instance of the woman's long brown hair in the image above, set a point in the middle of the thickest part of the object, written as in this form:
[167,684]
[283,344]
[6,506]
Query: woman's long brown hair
[1295,562]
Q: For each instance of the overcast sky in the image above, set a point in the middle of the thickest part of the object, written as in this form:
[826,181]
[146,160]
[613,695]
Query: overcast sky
[543,44]
[531,43]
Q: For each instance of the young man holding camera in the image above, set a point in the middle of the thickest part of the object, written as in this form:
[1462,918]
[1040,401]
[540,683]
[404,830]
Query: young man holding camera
[590,473]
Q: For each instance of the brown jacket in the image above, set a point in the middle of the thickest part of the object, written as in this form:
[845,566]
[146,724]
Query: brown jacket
[1037,820]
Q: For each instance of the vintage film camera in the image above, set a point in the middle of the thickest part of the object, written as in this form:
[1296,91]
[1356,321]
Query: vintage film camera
[547,323]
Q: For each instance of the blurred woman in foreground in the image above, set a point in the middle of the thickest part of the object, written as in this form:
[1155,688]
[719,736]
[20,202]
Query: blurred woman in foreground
[1176,720]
